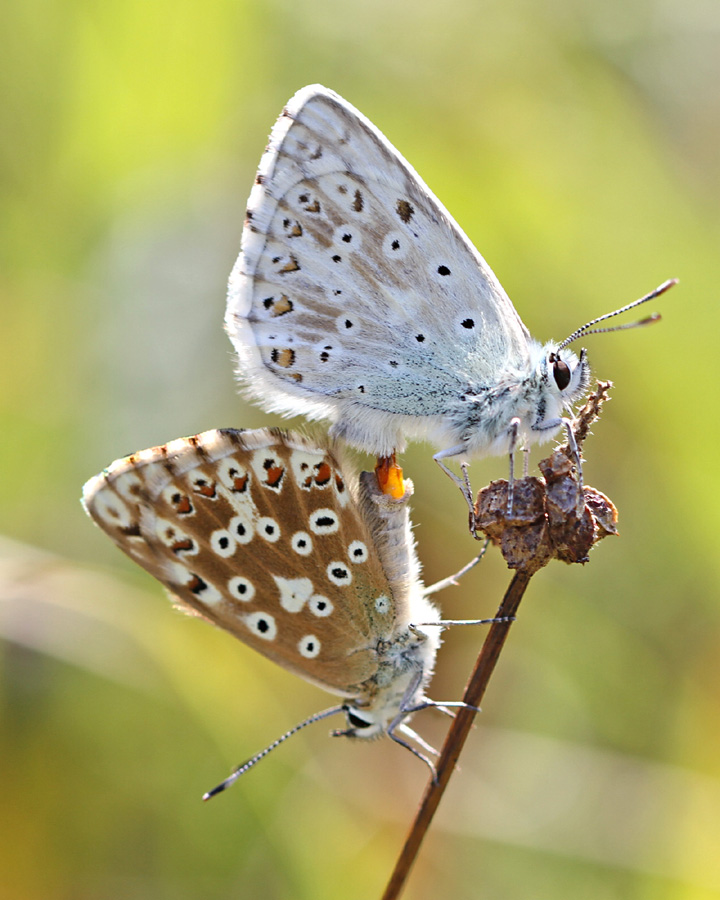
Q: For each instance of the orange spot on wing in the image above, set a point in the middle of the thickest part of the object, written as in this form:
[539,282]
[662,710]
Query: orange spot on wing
[240,483]
[284,357]
[323,474]
[196,584]
[183,505]
[282,306]
[274,475]
[292,265]
[179,546]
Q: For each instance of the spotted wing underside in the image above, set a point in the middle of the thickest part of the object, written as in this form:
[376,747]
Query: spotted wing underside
[355,287]
[259,533]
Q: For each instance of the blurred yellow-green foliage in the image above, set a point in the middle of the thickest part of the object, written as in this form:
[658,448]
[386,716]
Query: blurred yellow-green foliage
[578,144]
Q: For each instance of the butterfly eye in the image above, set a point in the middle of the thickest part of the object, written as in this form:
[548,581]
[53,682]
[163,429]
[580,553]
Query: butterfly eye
[356,721]
[561,372]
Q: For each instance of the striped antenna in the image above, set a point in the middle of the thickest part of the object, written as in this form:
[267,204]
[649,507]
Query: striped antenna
[655,317]
[248,764]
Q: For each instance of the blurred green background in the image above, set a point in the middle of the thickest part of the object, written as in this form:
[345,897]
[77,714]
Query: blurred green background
[578,144]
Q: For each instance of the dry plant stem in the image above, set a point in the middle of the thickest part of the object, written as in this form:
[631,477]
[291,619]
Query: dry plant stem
[458,733]
[546,524]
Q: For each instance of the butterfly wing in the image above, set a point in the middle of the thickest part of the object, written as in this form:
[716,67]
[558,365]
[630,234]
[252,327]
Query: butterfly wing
[257,532]
[356,297]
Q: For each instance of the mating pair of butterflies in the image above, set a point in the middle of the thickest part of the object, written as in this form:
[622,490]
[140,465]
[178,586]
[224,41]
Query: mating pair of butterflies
[356,299]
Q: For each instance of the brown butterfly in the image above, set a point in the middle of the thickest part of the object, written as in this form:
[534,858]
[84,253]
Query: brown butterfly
[263,534]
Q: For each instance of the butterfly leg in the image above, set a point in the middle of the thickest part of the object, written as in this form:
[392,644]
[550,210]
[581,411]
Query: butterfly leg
[446,712]
[413,735]
[513,430]
[462,483]
[446,623]
[567,424]
[399,740]
[453,579]
[575,450]
[425,703]
[398,723]
[444,706]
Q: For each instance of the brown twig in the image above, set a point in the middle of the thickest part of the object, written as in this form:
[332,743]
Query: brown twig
[457,734]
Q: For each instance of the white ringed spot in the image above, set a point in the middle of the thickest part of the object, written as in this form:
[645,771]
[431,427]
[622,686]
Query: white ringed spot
[241,528]
[339,573]
[262,625]
[320,606]
[111,509]
[382,604]
[324,521]
[129,486]
[222,542]
[301,542]
[309,646]
[358,552]
[241,588]
[268,528]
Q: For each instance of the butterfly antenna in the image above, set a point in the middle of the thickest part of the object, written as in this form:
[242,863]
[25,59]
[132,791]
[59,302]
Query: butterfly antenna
[248,764]
[655,317]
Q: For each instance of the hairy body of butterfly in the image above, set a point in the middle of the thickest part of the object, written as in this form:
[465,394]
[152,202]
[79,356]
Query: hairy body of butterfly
[357,298]
[262,534]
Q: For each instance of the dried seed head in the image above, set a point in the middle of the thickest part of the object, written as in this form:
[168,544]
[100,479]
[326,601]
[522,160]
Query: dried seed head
[552,517]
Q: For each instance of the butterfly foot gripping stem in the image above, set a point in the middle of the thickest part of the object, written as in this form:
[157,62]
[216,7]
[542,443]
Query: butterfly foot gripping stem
[513,432]
[577,459]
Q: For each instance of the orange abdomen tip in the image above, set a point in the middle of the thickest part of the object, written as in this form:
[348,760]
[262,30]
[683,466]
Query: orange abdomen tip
[390,477]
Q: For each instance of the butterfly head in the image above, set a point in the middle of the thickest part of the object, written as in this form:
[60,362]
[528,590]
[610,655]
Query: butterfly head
[387,711]
[565,374]
[361,723]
